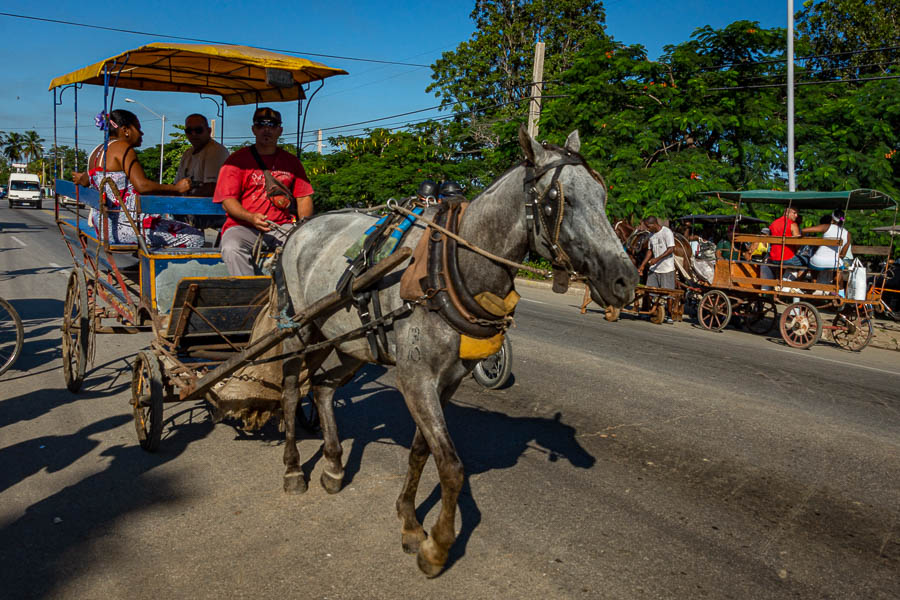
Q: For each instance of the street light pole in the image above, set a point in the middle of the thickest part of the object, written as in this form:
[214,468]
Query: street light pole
[162,135]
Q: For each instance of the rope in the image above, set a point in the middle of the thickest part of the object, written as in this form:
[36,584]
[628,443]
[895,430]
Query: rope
[472,247]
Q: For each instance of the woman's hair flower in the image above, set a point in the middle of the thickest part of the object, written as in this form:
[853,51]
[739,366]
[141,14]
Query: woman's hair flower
[101,121]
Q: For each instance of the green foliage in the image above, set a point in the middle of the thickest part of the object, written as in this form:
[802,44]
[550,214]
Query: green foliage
[173,151]
[846,26]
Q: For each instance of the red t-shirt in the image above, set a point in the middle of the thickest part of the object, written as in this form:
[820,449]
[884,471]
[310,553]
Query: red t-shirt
[241,178]
[781,225]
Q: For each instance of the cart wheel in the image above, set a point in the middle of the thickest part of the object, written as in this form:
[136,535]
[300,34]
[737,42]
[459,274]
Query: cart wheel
[494,371]
[658,313]
[12,335]
[308,414]
[147,400]
[714,310]
[852,332]
[612,314]
[801,325]
[75,330]
[761,316]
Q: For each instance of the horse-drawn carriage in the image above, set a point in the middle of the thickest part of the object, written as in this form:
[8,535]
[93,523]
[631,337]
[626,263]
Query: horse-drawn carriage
[754,290]
[434,317]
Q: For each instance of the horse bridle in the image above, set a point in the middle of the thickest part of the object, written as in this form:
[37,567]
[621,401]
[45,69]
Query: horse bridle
[549,206]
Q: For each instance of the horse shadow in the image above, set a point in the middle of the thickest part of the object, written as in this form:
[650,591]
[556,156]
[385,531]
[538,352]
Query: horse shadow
[485,440]
[44,537]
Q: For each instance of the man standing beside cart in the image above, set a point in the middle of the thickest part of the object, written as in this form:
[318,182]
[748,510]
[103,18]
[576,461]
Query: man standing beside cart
[662,264]
[263,189]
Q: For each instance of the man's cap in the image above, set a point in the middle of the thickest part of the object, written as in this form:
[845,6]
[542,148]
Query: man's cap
[265,112]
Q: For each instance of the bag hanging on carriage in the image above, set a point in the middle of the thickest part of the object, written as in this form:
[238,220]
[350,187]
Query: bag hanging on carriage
[856,283]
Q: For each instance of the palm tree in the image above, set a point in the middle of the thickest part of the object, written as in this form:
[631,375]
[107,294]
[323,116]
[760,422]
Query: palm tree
[32,145]
[13,146]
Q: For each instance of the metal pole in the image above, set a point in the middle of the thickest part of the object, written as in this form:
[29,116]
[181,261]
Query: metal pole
[76,127]
[792,183]
[55,147]
[162,141]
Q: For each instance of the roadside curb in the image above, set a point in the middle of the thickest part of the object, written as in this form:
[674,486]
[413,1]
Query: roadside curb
[576,288]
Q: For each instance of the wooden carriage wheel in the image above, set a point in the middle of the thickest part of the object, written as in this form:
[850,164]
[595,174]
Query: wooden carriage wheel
[852,331]
[147,395]
[761,316]
[801,325]
[658,312]
[75,330]
[714,310]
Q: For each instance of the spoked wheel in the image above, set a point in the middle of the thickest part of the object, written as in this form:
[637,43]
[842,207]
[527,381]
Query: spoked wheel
[12,335]
[494,371]
[761,316]
[658,313]
[714,310]
[147,393]
[75,330]
[852,332]
[308,414]
[801,325]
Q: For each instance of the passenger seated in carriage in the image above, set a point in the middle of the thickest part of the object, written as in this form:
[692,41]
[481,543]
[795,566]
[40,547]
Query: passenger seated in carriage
[201,164]
[120,166]
[828,261]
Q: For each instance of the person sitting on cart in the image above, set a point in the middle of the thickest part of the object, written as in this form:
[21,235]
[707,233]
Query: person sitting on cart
[263,189]
[201,163]
[120,165]
[828,260]
[783,254]
[662,264]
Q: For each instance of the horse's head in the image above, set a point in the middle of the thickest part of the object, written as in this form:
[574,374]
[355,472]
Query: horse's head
[568,199]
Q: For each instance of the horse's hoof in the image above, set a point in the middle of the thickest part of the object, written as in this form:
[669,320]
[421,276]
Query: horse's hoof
[411,540]
[427,561]
[294,483]
[331,483]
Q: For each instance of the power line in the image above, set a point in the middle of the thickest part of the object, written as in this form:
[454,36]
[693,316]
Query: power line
[204,41]
[820,82]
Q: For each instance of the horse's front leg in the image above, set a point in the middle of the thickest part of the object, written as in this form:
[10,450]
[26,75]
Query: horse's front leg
[412,534]
[294,483]
[332,477]
[426,408]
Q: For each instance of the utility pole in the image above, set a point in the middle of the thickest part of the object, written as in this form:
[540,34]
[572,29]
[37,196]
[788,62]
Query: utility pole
[537,86]
[319,144]
[792,183]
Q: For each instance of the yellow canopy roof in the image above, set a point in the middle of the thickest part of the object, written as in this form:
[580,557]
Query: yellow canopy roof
[237,73]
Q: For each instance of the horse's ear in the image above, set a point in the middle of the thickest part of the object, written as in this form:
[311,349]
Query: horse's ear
[573,142]
[530,147]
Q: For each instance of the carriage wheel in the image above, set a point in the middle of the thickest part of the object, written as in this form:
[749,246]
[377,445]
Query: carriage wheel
[75,330]
[147,400]
[12,335]
[852,332]
[714,310]
[612,314]
[801,325]
[494,371]
[658,313]
[308,414]
[761,316]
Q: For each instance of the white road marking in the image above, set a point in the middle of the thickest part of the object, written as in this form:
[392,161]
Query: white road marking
[840,362]
[535,301]
[18,241]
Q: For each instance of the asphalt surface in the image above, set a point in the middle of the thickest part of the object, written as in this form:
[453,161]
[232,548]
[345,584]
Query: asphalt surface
[625,460]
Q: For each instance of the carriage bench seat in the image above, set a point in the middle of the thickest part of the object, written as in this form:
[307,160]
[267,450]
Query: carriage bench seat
[206,305]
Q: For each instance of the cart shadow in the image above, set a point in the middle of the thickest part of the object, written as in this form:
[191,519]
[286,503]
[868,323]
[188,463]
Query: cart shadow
[46,537]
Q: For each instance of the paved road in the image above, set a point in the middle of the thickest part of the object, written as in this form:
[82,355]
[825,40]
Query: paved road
[626,460]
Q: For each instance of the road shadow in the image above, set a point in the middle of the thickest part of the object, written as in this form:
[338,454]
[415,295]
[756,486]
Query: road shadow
[37,549]
[371,412]
[9,275]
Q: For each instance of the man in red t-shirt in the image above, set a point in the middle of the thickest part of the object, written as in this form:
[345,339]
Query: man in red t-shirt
[785,225]
[241,188]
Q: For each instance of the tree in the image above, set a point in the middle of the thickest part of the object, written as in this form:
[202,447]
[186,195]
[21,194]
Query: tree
[489,75]
[13,146]
[32,145]
[840,29]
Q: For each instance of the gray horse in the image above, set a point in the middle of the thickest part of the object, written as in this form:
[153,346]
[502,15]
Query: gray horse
[425,347]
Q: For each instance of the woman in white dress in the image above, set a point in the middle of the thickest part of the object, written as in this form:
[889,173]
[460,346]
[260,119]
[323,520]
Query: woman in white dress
[828,260]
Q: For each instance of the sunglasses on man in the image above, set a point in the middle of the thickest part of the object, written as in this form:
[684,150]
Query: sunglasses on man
[194,129]
[267,123]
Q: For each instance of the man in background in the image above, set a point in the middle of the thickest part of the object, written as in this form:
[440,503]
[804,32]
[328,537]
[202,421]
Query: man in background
[201,163]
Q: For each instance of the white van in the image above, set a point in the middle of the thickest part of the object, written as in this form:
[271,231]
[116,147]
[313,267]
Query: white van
[24,188]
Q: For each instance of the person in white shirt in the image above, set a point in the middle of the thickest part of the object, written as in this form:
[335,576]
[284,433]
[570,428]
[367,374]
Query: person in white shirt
[201,163]
[662,264]
[828,260]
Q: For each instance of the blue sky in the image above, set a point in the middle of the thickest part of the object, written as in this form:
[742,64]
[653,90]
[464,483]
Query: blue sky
[413,32]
